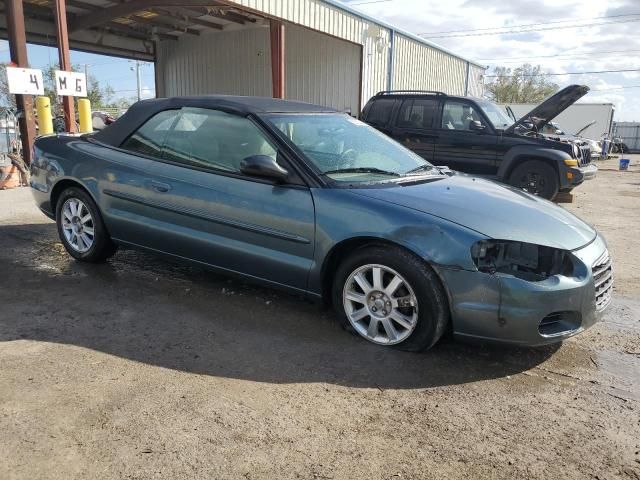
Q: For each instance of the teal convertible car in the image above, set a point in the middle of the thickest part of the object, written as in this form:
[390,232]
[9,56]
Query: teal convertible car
[311,200]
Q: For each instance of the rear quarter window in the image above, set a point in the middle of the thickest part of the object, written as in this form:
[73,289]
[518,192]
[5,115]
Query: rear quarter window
[379,113]
[150,137]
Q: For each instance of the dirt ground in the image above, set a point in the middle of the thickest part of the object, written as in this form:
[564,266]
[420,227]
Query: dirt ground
[141,369]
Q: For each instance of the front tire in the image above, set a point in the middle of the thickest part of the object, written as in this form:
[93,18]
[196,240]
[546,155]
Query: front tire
[391,297]
[537,178]
[80,227]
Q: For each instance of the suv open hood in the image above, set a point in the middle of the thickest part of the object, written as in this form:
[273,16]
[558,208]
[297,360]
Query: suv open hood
[552,107]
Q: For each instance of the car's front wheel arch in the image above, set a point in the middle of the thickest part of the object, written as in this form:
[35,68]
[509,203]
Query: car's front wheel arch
[412,278]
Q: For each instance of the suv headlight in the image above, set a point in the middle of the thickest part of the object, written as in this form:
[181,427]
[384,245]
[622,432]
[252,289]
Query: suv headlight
[527,261]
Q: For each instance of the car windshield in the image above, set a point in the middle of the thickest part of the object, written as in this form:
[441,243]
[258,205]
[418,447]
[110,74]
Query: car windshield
[347,150]
[496,115]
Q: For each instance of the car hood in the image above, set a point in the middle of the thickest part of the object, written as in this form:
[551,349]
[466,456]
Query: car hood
[552,107]
[494,210]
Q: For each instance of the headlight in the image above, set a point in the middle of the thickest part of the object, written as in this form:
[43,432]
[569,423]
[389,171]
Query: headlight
[527,261]
[571,162]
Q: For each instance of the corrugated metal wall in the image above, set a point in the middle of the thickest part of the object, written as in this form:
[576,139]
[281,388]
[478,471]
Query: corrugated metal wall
[323,17]
[319,68]
[234,62]
[418,66]
[630,134]
[322,69]
[476,81]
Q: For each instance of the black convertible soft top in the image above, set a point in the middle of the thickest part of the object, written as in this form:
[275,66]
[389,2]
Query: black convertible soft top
[141,111]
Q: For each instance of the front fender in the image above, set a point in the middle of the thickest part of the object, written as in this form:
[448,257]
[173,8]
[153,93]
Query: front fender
[342,216]
[521,153]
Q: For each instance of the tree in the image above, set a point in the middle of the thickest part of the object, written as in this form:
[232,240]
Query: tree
[6,99]
[524,84]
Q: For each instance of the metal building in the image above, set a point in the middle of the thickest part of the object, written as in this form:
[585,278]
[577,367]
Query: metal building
[334,56]
[319,51]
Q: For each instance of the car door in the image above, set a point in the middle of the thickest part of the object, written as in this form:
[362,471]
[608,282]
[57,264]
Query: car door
[198,205]
[463,144]
[414,126]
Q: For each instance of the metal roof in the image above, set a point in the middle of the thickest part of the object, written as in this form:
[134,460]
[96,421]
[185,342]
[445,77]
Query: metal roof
[129,28]
[413,36]
[141,111]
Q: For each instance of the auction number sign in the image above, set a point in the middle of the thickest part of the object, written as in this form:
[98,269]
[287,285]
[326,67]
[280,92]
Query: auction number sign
[25,81]
[71,84]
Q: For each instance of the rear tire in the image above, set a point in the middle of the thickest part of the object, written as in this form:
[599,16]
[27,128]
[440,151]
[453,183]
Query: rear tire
[390,297]
[81,228]
[536,177]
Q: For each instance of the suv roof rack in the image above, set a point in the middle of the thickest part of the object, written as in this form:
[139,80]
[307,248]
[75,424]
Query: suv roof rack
[393,92]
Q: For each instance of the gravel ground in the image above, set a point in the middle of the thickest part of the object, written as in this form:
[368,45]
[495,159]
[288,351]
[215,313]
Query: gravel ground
[142,369]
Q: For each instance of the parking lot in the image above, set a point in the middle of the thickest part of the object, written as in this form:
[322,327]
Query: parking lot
[142,369]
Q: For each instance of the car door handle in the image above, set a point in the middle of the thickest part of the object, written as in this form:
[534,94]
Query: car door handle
[160,187]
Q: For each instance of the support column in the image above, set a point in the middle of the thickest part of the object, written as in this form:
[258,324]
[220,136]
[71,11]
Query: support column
[18,51]
[277,58]
[60,11]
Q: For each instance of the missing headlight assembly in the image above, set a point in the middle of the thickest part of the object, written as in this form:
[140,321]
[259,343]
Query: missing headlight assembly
[527,261]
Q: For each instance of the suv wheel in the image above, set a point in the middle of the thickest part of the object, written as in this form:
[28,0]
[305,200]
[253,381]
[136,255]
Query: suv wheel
[537,178]
[391,297]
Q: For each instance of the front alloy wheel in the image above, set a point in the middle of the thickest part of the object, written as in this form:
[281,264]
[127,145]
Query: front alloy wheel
[380,304]
[391,297]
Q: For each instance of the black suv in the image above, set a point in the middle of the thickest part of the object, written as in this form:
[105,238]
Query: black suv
[474,135]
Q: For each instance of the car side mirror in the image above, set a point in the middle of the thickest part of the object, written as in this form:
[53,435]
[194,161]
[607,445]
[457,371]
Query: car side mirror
[263,166]
[476,126]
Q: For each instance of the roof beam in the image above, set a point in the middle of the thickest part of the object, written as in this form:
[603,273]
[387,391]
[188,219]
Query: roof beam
[163,22]
[188,17]
[44,13]
[105,15]
[218,11]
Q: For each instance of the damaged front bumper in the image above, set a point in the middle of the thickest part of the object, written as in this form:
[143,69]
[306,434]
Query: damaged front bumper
[503,308]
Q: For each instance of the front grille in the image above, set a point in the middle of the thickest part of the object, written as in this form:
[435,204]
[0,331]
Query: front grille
[585,157]
[603,279]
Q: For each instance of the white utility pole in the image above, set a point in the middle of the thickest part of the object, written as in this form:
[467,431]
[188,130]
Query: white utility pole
[138,79]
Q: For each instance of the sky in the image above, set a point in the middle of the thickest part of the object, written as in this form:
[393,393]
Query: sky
[566,36]
[575,42]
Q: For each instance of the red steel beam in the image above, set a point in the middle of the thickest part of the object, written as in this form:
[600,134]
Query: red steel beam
[277,58]
[60,11]
[18,50]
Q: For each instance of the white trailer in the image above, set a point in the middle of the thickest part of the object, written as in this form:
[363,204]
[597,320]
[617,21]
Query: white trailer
[577,116]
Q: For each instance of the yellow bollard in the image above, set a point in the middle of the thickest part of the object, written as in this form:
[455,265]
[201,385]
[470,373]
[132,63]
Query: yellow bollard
[84,112]
[45,122]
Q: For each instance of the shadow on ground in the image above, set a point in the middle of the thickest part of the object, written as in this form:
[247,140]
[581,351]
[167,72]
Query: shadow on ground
[139,307]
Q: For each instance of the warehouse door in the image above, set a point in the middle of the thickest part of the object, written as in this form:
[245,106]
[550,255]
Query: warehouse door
[322,69]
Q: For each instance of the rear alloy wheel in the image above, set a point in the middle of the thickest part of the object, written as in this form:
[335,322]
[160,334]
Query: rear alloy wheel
[391,297]
[537,178]
[81,228]
[77,225]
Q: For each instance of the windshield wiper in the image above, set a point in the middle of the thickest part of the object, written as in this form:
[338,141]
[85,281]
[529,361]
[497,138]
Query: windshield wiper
[361,170]
[425,167]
